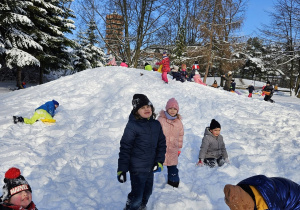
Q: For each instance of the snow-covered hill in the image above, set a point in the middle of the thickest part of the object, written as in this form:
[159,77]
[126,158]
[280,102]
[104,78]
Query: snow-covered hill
[73,164]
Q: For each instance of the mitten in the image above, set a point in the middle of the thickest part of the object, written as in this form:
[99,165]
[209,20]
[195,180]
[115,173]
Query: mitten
[179,153]
[121,176]
[200,163]
[158,167]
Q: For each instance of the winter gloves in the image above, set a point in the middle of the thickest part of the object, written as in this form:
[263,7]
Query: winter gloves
[121,176]
[158,167]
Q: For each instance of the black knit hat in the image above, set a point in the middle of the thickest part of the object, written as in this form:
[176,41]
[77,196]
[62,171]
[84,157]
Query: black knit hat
[138,101]
[214,124]
[14,183]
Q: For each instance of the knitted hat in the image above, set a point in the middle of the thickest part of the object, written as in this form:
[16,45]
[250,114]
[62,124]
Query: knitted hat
[268,82]
[214,124]
[14,183]
[172,103]
[138,101]
[55,102]
[230,72]
[237,198]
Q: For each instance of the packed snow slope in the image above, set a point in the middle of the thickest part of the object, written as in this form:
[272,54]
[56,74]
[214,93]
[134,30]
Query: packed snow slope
[73,163]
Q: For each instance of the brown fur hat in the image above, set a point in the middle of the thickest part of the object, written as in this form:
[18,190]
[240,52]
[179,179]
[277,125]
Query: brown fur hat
[237,199]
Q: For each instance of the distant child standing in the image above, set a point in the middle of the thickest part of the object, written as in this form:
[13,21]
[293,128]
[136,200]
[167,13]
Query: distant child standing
[232,85]
[165,67]
[142,152]
[17,193]
[195,68]
[212,150]
[250,89]
[172,126]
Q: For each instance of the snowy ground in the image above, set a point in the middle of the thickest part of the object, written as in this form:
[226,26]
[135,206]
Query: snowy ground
[73,163]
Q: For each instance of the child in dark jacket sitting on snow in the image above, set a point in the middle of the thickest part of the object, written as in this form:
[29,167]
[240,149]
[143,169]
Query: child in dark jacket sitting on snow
[212,150]
[16,192]
[142,152]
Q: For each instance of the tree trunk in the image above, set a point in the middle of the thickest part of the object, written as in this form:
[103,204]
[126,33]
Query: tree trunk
[19,77]
[297,88]
[41,75]
[140,34]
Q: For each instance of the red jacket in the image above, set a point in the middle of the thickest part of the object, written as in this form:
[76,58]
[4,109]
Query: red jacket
[166,64]
[196,66]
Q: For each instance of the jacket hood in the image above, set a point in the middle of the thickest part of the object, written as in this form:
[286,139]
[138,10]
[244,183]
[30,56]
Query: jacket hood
[207,132]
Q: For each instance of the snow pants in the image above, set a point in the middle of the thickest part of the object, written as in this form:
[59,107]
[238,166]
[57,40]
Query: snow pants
[173,173]
[141,189]
[212,162]
[38,114]
[164,76]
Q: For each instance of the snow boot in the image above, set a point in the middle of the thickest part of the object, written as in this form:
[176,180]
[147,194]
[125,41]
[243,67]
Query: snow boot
[20,119]
[15,119]
[173,184]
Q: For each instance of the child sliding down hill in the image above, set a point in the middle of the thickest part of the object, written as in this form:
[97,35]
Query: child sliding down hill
[46,111]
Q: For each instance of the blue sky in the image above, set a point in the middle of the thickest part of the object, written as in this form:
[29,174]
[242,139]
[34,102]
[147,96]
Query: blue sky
[256,15]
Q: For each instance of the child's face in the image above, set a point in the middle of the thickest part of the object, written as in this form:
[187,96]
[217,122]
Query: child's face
[145,111]
[172,112]
[23,198]
[216,131]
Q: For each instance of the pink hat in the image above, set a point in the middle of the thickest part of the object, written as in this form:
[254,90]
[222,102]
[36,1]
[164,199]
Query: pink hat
[172,103]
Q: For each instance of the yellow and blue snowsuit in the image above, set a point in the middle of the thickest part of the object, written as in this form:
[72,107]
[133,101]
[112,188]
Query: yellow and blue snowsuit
[46,111]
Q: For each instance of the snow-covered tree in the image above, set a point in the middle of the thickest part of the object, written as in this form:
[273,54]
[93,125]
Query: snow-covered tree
[17,45]
[283,31]
[87,54]
[51,20]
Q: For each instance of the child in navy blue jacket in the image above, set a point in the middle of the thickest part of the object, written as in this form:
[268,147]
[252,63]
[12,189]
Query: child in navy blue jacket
[142,152]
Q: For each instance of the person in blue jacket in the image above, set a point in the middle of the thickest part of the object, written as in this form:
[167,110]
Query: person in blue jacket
[142,152]
[261,192]
[45,111]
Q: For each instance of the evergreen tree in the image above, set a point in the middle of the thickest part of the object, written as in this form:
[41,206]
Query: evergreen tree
[51,23]
[16,41]
[87,55]
[180,43]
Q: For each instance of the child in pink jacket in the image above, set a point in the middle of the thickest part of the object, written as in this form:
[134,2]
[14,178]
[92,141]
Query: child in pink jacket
[172,127]
[198,79]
